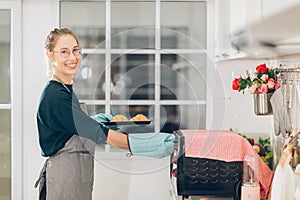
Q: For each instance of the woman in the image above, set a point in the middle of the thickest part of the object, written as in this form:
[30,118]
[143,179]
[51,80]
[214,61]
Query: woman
[67,134]
[65,131]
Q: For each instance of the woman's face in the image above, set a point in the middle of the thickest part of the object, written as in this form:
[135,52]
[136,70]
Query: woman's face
[65,56]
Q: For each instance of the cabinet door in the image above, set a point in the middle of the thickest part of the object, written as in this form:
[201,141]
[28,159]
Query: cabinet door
[234,16]
[119,176]
[271,7]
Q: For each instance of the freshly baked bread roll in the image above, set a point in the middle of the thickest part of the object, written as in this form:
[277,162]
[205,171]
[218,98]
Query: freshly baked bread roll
[139,117]
[118,118]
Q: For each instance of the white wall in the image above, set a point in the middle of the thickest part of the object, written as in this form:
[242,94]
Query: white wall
[238,108]
[39,17]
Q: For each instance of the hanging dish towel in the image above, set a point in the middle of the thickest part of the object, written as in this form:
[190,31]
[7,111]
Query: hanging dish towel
[282,186]
[297,182]
[282,122]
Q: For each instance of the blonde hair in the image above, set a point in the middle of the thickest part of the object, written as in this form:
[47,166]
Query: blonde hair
[50,43]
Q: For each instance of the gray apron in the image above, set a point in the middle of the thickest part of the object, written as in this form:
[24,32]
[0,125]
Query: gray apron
[70,172]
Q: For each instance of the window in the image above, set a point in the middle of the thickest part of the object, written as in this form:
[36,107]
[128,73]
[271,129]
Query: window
[5,114]
[142,57]
[10,103]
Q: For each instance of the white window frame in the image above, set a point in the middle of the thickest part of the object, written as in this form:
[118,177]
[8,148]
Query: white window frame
[157,102]
[16,97]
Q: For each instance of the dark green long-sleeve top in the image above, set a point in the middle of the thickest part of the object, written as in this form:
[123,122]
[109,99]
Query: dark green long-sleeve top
[59,117]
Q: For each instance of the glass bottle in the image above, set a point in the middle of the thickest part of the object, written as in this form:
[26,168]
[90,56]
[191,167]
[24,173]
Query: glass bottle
[250,185]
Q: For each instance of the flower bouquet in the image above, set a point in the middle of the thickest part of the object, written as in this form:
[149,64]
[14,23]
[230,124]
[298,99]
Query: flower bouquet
[264,81]
[262,85]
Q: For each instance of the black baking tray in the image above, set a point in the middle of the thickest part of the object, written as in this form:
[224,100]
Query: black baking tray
[129,127]
[127,123]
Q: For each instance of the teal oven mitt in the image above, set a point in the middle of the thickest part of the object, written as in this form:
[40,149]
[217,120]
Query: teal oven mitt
[156,145]
[102,117]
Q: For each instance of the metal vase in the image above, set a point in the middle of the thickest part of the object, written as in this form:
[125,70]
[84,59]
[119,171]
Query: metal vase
[262,105]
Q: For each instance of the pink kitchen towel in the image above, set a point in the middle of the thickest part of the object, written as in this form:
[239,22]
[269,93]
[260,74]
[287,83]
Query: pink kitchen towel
[226,146]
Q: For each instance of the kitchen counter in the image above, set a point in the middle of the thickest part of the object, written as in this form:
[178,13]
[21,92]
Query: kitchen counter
[118,175]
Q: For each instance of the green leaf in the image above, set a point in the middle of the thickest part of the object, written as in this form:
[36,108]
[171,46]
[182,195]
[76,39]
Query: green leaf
[243,84]
[259,74]
[271,74]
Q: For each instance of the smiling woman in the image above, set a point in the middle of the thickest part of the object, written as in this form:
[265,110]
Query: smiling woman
[67,135]
[65,130]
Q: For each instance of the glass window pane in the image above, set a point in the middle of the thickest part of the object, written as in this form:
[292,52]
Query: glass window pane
[90,78]
[132,76]
[183,76]
[130,111]
[5,56]
[87,20]
[184,30]
[95,109]
[132,25]
[175,117]
[5,154]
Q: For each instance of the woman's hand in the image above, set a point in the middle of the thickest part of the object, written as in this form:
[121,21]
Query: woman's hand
[117,139]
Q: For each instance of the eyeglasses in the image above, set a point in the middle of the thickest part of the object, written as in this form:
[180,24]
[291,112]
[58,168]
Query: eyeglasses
[66,52]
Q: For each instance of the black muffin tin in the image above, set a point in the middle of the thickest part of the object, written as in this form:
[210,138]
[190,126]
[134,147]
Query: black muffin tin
[205,177]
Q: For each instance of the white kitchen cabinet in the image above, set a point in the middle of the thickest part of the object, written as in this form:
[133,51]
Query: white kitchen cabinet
[236,17]
[276,36]
[271,7]
[119,176]
[233,16]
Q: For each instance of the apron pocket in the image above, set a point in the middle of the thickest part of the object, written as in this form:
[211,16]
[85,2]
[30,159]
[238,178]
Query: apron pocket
[86,167]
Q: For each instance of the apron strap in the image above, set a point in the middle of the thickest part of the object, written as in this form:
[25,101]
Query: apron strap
[42,174]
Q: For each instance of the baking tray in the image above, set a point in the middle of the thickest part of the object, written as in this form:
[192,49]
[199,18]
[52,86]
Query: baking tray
[127,123]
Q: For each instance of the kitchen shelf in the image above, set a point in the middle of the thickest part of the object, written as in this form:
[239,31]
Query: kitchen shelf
[231,56]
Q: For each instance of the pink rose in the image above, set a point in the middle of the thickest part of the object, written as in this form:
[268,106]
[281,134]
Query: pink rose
[277,86]
[271,83]
[263,88]
[264,77]
[252,89]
